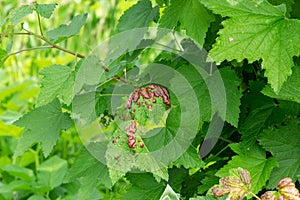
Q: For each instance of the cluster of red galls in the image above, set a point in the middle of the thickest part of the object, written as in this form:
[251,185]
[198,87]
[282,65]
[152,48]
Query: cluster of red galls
[131,139]
[148,95]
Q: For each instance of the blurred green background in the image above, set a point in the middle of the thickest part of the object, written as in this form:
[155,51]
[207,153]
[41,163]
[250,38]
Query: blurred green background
[19,86]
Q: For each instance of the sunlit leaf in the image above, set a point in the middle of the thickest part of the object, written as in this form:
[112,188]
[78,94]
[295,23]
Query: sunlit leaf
[58,80]
[42,125]
[257,30]
[45,10]
[283,142]
[64,31]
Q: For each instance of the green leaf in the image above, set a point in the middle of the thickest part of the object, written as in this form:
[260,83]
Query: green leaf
[19,13]
[89,171]
[9,130]
[190,159]
[45,10]
[58,80]
[193,17]
[43,125]
[36,197]
[257,30]
[283,142]
[144,186]
[288,3]
[20,172]
[290,90]
[120,162]
[15,185]
[200,88]
[257,120]
[233,95]
[52,172]
[138,16]
[3,56]
[89,73]
[253,160]
[66,31]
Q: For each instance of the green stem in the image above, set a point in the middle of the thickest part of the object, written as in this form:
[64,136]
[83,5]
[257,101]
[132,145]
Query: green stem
[226,140]
[254,195]
[40,25]
[54,45]
[217,154]
[29,49]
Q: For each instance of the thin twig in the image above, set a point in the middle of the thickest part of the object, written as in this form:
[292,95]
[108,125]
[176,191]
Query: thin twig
[29,49]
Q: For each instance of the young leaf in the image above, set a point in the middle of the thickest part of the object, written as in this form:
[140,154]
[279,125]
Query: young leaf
[52,172]
[19,13]
[45,10]
[58,80]
[283,142]
[43,125]
[64,31]
[257,30]
[290,90]
[254,160]
[138,16]
[144,186]
[191,14]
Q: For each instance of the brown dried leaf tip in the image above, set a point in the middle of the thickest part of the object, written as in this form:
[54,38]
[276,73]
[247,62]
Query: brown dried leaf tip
[238,185]
[286,191]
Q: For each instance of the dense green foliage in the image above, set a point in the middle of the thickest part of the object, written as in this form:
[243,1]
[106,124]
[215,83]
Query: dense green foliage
[66,134]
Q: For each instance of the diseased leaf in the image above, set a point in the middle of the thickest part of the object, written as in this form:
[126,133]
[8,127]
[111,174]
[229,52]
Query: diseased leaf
[120,162]
[45,10]
[290,90]
[19,13]
[42,125]
[253,160]
[64,31]
[144,186]
[283,142]
[257,30]
[193,17]
[58,80]
[138,16]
